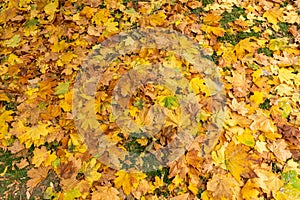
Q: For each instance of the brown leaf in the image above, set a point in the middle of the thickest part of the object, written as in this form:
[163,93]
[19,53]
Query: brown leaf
[16,147]
[178,167]
[36,176]
[292,136]
[22,164]
[224,186]
[278,147]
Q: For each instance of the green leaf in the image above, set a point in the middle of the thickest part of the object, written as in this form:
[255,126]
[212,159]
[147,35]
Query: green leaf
[170,101]
[72,194]
[62,88]
[13,42]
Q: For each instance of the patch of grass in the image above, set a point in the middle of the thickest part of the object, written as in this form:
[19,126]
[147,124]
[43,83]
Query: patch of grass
[32,22]
[265,105]
[275,168]
[235,38]
[10,106]
[53,145]
[139,103]
[226,69]
[265,51]
[215,58]
[200,191]
[231,38]
[207,2]
[283,31]
[13,183]
[284,4]
[125,2]
[164,172]
[133,146]
[228,17]
[197,11]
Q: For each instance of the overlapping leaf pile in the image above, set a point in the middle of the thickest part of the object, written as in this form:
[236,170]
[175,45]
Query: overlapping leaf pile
[255,45]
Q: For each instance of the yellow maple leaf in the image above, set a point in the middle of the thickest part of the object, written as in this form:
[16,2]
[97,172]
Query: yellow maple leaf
[247,138]
[66,58]
[286,76]
[101,17]
[244,46]
[237,160]
[257,97]
[58,46]
[128,180]
[157,19]
[262,122]
[39,156]
[223,187]
[212,19]
[249,190]
[199,85]
[217,31]
[90,170]
[5,116]
[277,43]
[105,193]
[273,15]
[50,9]
[66,103]
[13,42]
[218,157]
[88,11]
[35,135]
[111,26]
[256,75]
[268,181]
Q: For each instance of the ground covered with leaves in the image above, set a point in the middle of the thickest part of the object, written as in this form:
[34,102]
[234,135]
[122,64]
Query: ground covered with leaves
[255,47]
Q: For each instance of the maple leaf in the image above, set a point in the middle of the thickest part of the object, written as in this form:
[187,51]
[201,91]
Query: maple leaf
[212,19]
[50,9]
[71,194]
[218,157]
[239,107]
[224,186]
[291,189]
[247,138]
[278,147]
[22,164]
[237,160]
[62,88]
[90,171]
[5,117]
[101,17]
[105,193]
[39,156]
[263,123]
[244,46]
[218,31]
[268,181]
[277,44]
[35,135]
[286,76]
[157,19]
[13,42]
[257,97]
[250,190]
[128,181]
[240,83]
[36,176]
[274,15]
